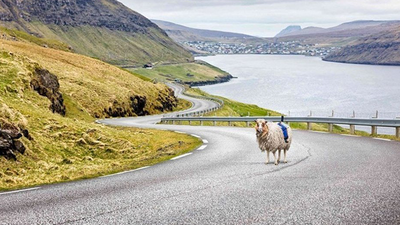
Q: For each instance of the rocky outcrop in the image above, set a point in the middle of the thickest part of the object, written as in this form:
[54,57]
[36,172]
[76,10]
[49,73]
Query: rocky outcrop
[9,140]
[46,84]
[134,107]
[217,80]
[167,100]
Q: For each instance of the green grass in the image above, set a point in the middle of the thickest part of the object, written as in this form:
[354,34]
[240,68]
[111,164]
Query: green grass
[197,71]
[23,36]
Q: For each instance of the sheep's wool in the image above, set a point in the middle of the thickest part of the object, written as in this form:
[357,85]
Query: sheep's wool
[274,140]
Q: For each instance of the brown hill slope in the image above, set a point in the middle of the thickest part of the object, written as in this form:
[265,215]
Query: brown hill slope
[382,48]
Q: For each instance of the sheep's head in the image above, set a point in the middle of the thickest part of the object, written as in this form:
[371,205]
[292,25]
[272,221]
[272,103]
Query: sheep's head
[261,127]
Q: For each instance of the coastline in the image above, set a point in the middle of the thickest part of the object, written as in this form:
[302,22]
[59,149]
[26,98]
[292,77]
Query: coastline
[217,80]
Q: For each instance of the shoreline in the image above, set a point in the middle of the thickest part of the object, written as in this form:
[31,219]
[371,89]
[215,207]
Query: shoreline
[218,80]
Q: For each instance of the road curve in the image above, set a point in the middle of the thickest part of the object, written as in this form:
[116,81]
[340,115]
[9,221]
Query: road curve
[329,179]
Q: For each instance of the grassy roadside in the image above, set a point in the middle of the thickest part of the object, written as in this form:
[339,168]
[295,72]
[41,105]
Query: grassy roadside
[234,108]
[72,147]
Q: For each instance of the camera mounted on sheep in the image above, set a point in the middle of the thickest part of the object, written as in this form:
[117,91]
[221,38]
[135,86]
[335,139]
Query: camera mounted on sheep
[272,138]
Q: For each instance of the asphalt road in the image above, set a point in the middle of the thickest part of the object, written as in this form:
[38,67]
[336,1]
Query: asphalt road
[329,179]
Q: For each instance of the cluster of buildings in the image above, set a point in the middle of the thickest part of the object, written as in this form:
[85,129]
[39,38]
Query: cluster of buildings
[279,48]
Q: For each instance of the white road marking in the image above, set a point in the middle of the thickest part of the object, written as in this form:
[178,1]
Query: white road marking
[202,147]
[382,139]
[205,141]
[18,191]
[115,174]
[195,135]
[322,132]
[349,135]
[181,156]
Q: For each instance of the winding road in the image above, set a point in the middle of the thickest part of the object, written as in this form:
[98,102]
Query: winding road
[329,179]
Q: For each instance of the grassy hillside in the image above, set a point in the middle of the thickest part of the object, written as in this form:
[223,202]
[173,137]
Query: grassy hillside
[62,148]
[105,29]
[382,48]
[186,72]
[116,47]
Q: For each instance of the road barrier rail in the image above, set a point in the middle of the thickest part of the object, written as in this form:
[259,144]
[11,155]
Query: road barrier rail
[374,123]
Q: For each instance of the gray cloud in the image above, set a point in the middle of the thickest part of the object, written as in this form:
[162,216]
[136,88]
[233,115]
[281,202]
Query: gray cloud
[264,17]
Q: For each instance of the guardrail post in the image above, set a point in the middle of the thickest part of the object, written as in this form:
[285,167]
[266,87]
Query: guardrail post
[330,127]
[229,123]
[352,129]
[190,122]
[398,132]
[201,123]
[374,130]
[215,123]
[309,126]
[247,123]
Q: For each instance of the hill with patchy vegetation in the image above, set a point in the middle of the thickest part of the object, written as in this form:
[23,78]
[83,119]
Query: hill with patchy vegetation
[103,29]
[48,104]
[182,33]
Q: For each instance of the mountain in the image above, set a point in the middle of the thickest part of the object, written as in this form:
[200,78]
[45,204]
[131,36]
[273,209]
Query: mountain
[103,29]
[342,34]
[182,33]
[382,48]
[288,30]
[361,26]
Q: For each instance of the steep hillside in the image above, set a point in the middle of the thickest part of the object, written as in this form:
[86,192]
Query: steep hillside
[48,103]
[103,29]
[382,48]
[182,33]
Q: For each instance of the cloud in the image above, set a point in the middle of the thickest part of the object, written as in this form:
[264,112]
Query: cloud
[264,17]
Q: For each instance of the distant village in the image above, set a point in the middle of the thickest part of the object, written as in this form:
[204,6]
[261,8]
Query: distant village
[278,48]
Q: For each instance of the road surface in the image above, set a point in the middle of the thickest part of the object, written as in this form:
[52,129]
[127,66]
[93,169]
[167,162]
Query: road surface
[329,179]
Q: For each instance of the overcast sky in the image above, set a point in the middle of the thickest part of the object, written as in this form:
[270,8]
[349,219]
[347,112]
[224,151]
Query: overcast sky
[264,18]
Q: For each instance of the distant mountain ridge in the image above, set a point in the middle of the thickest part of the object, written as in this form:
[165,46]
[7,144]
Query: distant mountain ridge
[104,29]
[354,25]
[182,33]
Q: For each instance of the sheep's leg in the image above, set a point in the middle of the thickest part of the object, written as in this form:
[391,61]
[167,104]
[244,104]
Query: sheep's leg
[279,156]
[284,156]
[276,161]
[267,157]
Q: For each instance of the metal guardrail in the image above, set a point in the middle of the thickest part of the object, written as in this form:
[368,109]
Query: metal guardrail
[202,112]
[352,122]
[374,122]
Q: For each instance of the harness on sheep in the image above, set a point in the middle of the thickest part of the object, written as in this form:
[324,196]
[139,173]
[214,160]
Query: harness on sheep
[284,129]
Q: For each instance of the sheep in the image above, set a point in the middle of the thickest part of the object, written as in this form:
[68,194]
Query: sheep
[270,138]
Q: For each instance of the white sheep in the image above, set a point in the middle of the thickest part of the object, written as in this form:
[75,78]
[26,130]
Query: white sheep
[270,138]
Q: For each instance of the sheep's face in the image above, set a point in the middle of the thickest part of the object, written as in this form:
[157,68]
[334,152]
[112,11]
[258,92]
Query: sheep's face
[261,126]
